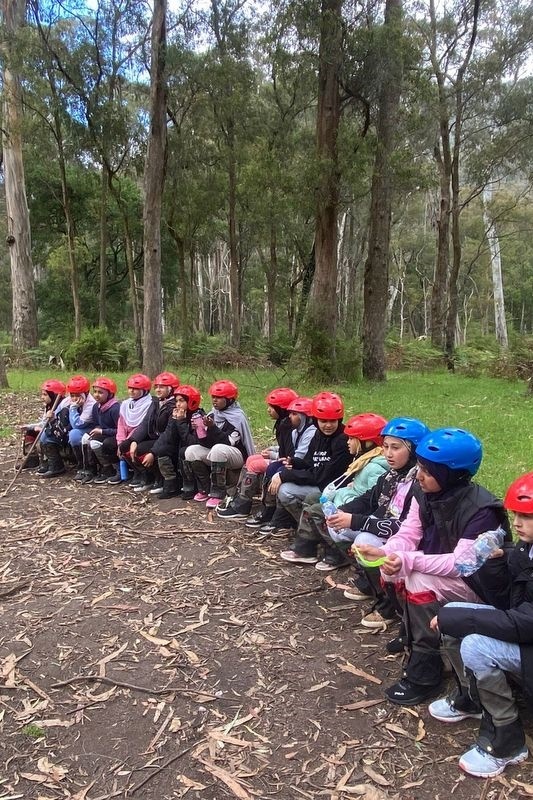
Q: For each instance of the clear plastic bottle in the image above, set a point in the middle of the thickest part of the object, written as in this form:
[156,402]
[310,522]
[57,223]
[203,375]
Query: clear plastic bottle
[329,508]
[481,550]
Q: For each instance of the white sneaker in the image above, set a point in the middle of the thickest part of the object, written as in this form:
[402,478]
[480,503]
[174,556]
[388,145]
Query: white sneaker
[445,711]
[481,764]
[376,621]
[291,556]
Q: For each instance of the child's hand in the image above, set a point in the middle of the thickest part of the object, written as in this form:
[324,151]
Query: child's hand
[339,520]
[148,460]
[95,432]
[434,623]
[392,565]
[179,413]
[497,553]
[275,483]
[370,552]
[133,449]
[208,421]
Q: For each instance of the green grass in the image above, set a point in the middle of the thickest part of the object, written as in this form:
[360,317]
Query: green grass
[498,411]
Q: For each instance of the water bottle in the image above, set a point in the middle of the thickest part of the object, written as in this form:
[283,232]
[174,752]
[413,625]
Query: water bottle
[481,550]
[329,508]
[124,471]
[328,492]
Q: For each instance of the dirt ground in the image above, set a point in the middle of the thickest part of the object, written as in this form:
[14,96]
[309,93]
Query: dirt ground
[148,650]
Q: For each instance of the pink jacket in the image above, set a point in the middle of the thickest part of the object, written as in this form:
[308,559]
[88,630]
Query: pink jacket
[405,542]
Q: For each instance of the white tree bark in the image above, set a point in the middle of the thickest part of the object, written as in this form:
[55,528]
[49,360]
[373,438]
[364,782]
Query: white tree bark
[18,218]
[500,322]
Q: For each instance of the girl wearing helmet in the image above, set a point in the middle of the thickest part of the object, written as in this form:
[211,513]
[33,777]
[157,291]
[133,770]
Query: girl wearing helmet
[141,441]
[368,464]
[376,515]
[52,394]
[303,478]
[132,412]
[101,441]
[225,443]
[169,448]
[80,417]
[495,640]
[303,431]
[269,461]
[448,511]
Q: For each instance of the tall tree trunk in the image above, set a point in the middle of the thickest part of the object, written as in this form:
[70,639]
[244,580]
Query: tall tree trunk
[3,375]
[18,219]
[154,177]
[234,266]
[500,323]
[453,288]
[69,219]
[134,298]
[271,278]
[104,187]
[376,284]
[321,321]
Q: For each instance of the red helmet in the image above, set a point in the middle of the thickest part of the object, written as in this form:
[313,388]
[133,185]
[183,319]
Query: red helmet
[366,427]
[105,383]
[139,381]
[327,405]
[55,386]
[167,379]
[281,397]
[192,395]
[225,389]
[78,384]
[302,405]
[519,496]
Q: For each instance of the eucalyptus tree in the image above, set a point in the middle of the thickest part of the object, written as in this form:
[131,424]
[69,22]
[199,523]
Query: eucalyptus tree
[24,318]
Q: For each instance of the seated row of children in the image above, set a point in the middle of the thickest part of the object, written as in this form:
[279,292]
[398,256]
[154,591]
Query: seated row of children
[392,499]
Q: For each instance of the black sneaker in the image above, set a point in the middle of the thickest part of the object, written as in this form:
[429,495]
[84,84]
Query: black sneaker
[260,518]
[235,510]
[406,693]
[115,479]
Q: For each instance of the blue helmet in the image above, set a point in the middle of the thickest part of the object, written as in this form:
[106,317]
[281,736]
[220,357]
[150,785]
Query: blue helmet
[453,447]
[406,428]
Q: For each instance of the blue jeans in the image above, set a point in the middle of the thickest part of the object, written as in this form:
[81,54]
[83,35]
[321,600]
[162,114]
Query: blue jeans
[482,653]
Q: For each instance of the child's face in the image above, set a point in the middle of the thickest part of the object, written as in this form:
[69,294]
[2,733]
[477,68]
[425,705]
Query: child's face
[181,403]
[135,393]
[523,525]
[295,419]
[271,411]
[45,397]
[427,482]
[328,426]
[100,395]
[354,445]
[396,452]
[219,403]
[162,392]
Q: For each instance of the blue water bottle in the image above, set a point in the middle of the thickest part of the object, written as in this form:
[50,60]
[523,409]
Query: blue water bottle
[124,471]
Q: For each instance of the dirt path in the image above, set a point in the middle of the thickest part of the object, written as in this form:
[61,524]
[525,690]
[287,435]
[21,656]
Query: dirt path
[149,651]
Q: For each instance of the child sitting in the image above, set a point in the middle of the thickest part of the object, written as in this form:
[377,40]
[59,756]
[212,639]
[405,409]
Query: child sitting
[303,431]
[80,416]
[102,439]
[52,394]
[132,412]
[169,448]
[495,643]
[302,479]
[448,511]
[256,465]
[141,441]
[376,515]
[364,445]
[226,443]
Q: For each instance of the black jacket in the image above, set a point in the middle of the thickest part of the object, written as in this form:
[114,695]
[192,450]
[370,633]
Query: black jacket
[514,624]
[370,510]
[154,422]
[327,459]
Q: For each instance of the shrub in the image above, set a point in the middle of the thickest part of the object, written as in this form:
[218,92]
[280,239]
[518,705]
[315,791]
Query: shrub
[96,351]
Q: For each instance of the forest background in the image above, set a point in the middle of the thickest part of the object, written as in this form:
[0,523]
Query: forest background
[344,186]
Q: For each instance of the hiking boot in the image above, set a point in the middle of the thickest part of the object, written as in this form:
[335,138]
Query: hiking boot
[407,693]
[295,558]
[377,621]
[171,488]
[480,764]
[445,710]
